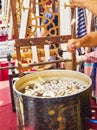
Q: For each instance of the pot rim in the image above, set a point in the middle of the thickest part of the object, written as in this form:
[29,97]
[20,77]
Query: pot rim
[54,70]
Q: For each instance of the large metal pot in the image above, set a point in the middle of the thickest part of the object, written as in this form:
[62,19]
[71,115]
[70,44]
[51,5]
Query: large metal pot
[57,113]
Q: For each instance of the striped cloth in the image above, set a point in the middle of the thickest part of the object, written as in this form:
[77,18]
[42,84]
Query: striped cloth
[81,31]
[81,23]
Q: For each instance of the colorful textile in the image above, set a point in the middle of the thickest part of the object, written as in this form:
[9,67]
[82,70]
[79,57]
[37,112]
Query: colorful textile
[92,57]
[93,76]
[80,32]
[81,25]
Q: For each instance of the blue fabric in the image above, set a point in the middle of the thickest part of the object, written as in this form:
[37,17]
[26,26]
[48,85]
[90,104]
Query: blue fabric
[80,32]
[93,76]
[48,15]
[81,26]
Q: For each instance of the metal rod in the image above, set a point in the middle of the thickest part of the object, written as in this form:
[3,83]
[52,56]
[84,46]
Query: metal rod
[7,67]
[43,63]
[3,57]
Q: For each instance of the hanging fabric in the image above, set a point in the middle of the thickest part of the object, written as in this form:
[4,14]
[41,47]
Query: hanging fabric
[94,69]
[81,31]
[88,66]
[81,23]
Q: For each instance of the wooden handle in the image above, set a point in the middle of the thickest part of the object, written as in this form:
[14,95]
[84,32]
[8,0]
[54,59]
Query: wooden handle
[67,5]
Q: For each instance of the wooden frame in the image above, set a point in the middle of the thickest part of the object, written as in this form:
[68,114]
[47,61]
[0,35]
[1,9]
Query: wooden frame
[38,42]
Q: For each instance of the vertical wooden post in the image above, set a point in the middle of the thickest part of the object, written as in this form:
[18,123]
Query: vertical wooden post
[15,25]
[24,18]
[16,31]
[73,32]
[53,6]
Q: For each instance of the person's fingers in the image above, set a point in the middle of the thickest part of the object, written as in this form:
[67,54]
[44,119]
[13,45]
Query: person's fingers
[73,44]
[75,3]
[71,47]
[72,3]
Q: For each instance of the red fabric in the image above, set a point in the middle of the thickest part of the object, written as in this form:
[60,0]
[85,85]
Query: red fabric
[4,93]
[4,73]
[7,117]
[0,73]
[3,37]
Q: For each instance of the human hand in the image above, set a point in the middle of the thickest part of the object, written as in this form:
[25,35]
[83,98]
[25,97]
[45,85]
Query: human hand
[73,44]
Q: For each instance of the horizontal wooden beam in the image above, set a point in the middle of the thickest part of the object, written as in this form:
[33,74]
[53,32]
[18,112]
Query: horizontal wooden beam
[39,41]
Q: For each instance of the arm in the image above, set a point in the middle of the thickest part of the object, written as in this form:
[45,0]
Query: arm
[91,5]
[92,57]
[89,40]
[88,57]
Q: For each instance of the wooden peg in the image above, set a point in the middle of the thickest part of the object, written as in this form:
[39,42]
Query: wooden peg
[67,5]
